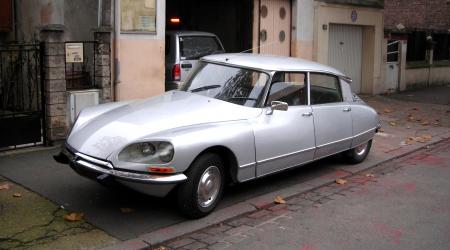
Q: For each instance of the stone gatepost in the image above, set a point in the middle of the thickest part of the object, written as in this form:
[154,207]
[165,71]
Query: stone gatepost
[53,55]
[103,64]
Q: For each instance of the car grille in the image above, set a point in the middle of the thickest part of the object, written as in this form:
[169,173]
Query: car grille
[89,159]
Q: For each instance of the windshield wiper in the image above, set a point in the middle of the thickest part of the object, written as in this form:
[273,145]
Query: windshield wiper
[206,88]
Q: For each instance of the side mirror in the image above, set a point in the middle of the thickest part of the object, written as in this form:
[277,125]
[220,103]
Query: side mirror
[277,105]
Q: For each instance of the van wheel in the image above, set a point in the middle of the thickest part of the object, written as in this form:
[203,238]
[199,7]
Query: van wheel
[200,194]
[358,153]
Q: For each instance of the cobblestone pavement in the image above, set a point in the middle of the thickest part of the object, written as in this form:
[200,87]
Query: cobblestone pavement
[29,221]
[402,204]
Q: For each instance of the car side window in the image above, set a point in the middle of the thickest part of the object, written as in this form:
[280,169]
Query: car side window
[324,89]
[288,87]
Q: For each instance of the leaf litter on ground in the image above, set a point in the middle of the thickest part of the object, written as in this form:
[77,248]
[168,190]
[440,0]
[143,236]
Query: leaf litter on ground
[72,217]
[279,200]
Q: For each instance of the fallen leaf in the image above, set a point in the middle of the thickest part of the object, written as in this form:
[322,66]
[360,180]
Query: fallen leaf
[427,137]
[4,187]
[419,119]
[341,181]
[74,217]
[425,123]
[370,175]
[393,124]
[410,118]
[17,195]
[126,210]
[381,130]
[160,248]
[409,140]
[424,138]
[279,200]
[387,110]
[415,109]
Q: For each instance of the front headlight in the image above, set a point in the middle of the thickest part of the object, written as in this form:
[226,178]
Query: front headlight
[148,152]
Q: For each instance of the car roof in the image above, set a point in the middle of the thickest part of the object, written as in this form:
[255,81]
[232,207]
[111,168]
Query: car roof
[271,63]
[189,33]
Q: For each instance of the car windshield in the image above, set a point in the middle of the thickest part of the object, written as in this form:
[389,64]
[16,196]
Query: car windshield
[231,84]
[194,47]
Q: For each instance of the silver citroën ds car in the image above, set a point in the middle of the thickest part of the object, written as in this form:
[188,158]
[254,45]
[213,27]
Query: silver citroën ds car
[237,117]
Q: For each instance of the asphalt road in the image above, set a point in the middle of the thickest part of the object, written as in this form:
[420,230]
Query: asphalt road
[38,172]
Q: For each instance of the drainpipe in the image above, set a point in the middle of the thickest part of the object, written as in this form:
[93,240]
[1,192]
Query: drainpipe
[115,69]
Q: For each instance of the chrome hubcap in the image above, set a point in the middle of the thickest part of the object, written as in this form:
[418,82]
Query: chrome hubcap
[361,149]
[208,186]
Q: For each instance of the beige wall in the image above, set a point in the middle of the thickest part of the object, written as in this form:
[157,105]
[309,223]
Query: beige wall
[141,68]
[424,77]
[139,59]
[372,22]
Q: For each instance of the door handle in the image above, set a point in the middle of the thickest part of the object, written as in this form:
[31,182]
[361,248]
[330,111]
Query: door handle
[186,66]
[307,114]
[347,109]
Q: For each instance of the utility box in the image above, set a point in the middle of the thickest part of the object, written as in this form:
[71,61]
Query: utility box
[80,99]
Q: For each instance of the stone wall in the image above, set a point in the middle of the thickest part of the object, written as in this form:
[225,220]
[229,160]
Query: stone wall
[54,83]
[53,53]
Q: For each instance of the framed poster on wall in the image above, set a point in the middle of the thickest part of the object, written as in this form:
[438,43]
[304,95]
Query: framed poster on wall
[138,16]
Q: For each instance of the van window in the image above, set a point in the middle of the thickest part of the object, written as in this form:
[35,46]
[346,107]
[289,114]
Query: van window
[194,47]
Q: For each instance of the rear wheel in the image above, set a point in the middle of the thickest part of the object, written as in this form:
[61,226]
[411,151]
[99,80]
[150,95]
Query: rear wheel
[358,153]
[201,193]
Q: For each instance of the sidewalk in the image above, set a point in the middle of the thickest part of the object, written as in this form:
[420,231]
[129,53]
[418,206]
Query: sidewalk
[406,126]
[28,220]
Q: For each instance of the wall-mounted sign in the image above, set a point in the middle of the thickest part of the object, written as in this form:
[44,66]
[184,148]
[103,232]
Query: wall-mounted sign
[354,15]
[74,52]
[138,16]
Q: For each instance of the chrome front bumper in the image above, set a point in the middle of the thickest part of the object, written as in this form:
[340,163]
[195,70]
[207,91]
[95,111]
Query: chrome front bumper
[84,164]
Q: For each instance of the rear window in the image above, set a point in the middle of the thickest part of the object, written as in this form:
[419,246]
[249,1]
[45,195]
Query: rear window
[194,47]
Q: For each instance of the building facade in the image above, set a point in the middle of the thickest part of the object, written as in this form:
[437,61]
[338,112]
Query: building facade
[417,43]
[126,39]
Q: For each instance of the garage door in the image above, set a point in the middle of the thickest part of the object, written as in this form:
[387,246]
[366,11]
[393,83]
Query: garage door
[345,51]
[275,27]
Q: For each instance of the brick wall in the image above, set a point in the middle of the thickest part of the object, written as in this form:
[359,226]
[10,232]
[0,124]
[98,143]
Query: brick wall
[418,14]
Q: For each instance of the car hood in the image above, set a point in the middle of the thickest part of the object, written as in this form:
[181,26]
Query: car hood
[112,130]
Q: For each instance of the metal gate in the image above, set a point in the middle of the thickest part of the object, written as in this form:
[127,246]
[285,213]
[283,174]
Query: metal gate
[345,52]
[21,96]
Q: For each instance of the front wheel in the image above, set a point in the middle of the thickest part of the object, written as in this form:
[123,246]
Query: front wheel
[201,193]
[358,153]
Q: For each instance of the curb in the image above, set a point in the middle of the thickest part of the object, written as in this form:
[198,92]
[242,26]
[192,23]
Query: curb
[161,235]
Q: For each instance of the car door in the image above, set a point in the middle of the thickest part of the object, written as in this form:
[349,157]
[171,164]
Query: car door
[332,116]
[284,139]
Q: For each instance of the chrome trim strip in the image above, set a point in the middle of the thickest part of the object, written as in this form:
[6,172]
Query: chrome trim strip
[364,132]
[135,177]
[333,142]
[285,155]
[348,138]
[91,159]
[247,165]
[313,148]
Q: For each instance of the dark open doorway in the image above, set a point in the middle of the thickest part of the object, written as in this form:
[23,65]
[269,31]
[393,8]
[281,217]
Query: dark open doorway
[230,20]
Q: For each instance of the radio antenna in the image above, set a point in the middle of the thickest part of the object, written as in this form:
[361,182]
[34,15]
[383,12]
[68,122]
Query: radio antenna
[258,47]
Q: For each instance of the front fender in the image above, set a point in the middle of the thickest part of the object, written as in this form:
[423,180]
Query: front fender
[237,136]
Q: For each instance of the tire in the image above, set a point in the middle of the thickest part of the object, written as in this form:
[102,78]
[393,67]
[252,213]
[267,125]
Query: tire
[358,153]
[206,173]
